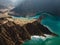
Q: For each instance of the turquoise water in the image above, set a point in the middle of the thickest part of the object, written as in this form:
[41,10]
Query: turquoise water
[34,41]
[48,41]
[53,23]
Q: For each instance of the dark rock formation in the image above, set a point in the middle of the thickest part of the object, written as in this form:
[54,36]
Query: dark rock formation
[36,28]
[14,34]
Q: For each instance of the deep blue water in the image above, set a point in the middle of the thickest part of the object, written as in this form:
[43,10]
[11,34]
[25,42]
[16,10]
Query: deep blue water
[53,23]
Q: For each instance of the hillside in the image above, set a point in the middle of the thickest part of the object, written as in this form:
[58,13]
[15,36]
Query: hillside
[13,33]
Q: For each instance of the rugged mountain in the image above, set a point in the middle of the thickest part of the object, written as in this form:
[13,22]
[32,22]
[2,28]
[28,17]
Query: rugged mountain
[11,33]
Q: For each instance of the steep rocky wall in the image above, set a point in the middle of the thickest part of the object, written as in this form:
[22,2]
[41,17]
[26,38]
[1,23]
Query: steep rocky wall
[12,33]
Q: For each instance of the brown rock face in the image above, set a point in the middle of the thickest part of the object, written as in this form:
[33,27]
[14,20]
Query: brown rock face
[12,33]
[35,28]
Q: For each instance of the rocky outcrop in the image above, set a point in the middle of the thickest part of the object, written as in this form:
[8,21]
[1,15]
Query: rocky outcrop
[12,33]
[35,28]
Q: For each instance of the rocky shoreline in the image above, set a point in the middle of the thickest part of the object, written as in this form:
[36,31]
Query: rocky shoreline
[12,33]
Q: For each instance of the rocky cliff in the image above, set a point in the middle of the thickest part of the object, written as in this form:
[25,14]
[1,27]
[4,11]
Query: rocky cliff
[12,33]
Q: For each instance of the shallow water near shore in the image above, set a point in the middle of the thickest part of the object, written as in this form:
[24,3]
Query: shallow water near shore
[39,41]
